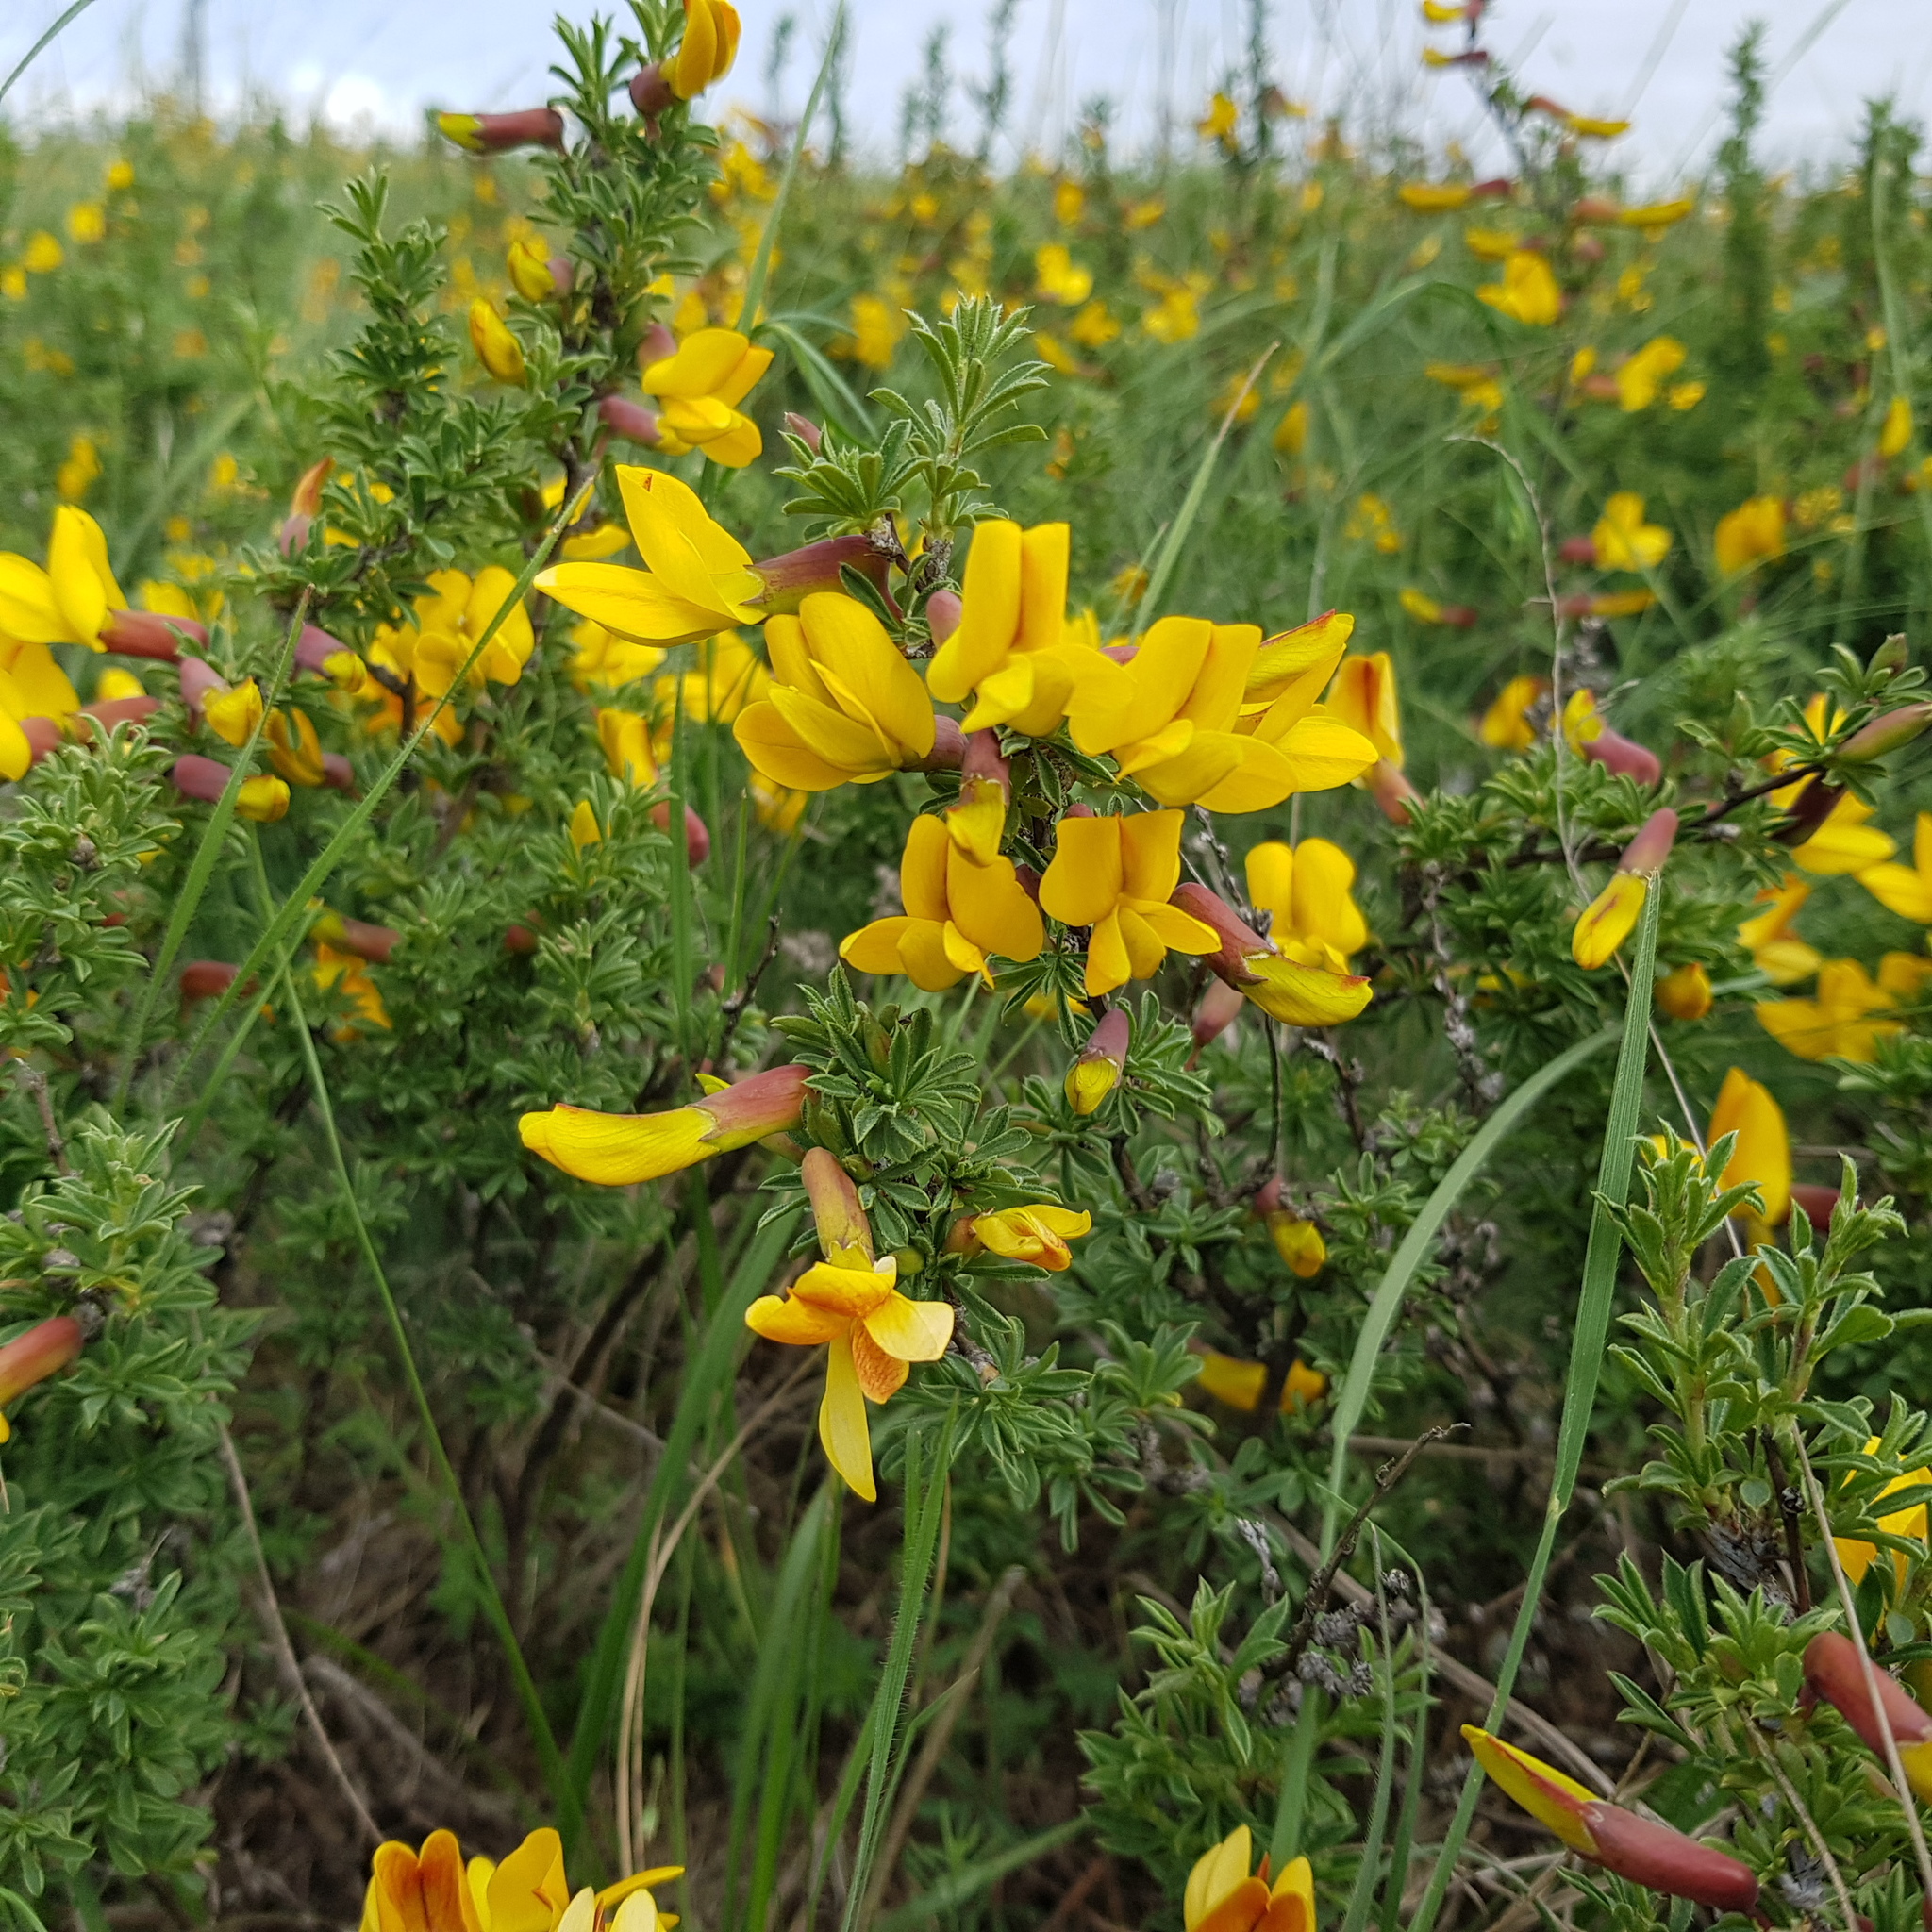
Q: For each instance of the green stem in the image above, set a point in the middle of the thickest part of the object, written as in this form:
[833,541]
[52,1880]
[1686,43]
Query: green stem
[1585,1363]
[547,1753]
[761,261]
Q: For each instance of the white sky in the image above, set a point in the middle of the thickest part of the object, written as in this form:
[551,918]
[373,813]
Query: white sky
[382,61]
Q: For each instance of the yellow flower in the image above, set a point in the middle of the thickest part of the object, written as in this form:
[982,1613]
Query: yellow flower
[584,829]
[1644,376]
[1778,953]
[294,749]
[1097,1071]
[1058,278]
[87,221]
[1624,540]
[1902,889]
[1752,533]
[709,47]
[1490,244]
[1219,121]
[232,715]
[80,471]
[1684,993]
[1897,431]
[700,388]
[1838,1023]
[1433,197]
[1179,719]
[1657,214]
[43,255]
[1686,395]
[530,270]
[843,707]
[119,176]
[1069,202]
[1176,317]
[496,348]
[603,657]
[1291,432]
[616,1150]
[433,1892]
[1762,1155]
[624,738]
[1306,889]
[871,1332]
[1116,875]
[1844,842]
[1592,128]
[1242,1384]
[69,602]
[1012,646]
[699,579]
[346,972]
[1527,291]
[876,329]
[1369,522]
[1037,1234]
[1221,1897]
[1856,1555]
[1609,919]
[959,911]
[1506,725]
[1364,698]
[1094,326]
[445,625]
[1259,970]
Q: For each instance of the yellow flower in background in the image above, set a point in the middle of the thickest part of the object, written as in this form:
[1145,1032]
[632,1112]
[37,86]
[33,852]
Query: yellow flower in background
[624,738]
[1292,433]
[1906,890]
[726,675]
[1307,889]
[958,912]
[1751,534]
[1222,1897]
[1527,292]
[1686,395]
[1037,1234]
[78,471]
[698,579]
[1624,540]
[601,541]
[1642,376]
[1116,875]
[710,45]
[1657,215]
[1242,1384]
[1058,278]
[1221,119]
[1858,1555]
[1761,1155]
[1684,992]
[348,973]
[1176,317]
[1839,1023]
[603,657]
[119,176]
[1094,326]
[496,348]
[1364,698]
[1012,649]
[1844,842]
[447,625]
[1897,430]
[1369,522]
[42,254]
[700,388]
[1506,722]
[1176,719]
[87,222]
[1776,951]
[871,1333]
[877,327]
[844,706]
[1433,197]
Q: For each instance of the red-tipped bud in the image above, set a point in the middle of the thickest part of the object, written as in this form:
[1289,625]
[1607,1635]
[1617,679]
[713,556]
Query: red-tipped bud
[1578,549]
[1497,188]
[106,713]
[697,835]
[338,773]
[1102,1061]
[562,277]
[1394,795]
[43,736]
[1220,1006]
[948,748]
[794,574]
[293,535]
[1887,734]
[371,943]
[942,612]
[1647,852]
[141,633]
[1649,1853]
[314,648]
[761,1103]
[1297,995]
[1835,1671]
[627,419]
[1808,811]
[202,980]
[1818,1202]
[650,91]
[195,776]
[806,431]
[44,1350]
[305,500]
[658,345]
[1541,104]
[1625,756]
[519,938]
[495,134]
[199,680]
[844,1234]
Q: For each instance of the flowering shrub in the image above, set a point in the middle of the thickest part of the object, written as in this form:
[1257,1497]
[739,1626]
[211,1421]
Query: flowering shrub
[895,1051]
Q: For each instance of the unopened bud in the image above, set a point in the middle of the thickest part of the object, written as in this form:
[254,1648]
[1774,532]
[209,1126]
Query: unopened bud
[794,575]
[806,431]
[1220,1007]
[199,681]
[948,748]
[658,345]
[942,613]
[629,420]
[1578,549]
[1886,734]
[371,943]
[697,835]
[141,633]
[1835,1671]
[44,1350]
[1647,852]
[1102,1061]
[315,647]
[495,134]
[1624,755]
[1818,1201]
[650,91]
[844,1234]
[1390,790]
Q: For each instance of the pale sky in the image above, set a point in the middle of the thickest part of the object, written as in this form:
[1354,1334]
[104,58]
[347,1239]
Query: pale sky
[381,61]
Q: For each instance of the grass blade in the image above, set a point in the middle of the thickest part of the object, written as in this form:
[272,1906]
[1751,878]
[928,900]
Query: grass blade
[1586,1359]
[970,1880]
[39,46]
[761,261]
[1352,1398]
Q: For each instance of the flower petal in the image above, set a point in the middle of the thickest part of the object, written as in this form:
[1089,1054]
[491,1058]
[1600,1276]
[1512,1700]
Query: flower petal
[842,1430]
[910,1331]
[616,1149]
[790,1321]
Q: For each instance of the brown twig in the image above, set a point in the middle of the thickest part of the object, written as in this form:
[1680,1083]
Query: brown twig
[36,1083]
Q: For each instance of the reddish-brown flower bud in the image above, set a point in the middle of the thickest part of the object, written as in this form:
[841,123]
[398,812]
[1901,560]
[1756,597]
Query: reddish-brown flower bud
[1625,756]
[627,419]
[202,980]
[106,713]
[1647,852]
[794,574]
[697,835]
[1887,734]
[141,633]
[199,680]
[948,748]
[1818,1201]
[371,943]
[658,345]
[1578,549]
[650,91]
[338,773]
[1595,208]
[495,134]
[1497,188]
[1390,790]
[1836,1672]
[806,431]
[844,1234]
[1220,1006]
[519,938]
[42,735]
[942,612]
[44,1350]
